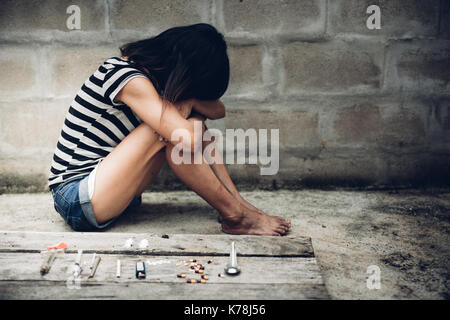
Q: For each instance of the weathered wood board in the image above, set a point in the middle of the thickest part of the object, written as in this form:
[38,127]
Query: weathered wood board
[178,244]
[272,267]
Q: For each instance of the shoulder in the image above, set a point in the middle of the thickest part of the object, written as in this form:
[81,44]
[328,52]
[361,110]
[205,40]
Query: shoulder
[117,68]
[120,73]
[137,88]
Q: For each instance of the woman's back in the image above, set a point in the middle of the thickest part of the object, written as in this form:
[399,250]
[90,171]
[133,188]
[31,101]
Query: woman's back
[94,123]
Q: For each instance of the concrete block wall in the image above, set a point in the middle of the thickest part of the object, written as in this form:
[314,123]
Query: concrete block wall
[355,107]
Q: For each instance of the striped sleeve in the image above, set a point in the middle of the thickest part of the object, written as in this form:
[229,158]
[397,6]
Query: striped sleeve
[117,79]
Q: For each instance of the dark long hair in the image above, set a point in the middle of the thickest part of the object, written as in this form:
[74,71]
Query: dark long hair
[183,62]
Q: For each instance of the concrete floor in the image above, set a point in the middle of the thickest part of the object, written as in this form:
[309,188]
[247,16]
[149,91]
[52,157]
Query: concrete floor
[405,233]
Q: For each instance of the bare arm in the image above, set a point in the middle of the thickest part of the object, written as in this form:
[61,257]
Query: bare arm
[140,95]
[212,109]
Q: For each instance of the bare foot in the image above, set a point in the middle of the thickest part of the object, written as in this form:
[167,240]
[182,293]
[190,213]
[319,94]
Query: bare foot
[250,207]
[255,223]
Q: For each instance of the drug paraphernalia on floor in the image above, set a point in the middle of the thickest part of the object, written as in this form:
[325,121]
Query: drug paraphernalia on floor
[118,269]
[61,245]
[140,270]
[296,274]
[77,267]
[92,263]
[49,257]
[232,267]
[94,267]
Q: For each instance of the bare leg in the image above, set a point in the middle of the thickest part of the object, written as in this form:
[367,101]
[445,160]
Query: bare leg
[222,174]
[236,218]
[128,169]
[122,174]
[154,167]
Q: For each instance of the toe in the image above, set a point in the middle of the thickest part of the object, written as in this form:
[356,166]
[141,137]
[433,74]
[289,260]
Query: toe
[284,223]
[280,230]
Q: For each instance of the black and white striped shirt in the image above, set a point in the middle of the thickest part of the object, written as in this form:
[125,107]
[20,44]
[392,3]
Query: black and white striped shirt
[95,123]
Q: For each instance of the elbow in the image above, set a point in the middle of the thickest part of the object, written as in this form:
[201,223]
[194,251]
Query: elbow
[220,113]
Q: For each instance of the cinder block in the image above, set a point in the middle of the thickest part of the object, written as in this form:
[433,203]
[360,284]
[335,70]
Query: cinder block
[375,125]
[439,125]
[157,16]
[331,168]
[73,65]
[298,128]
[28,137]
[443,114]
[19,71]
[245,70]
[351,67]
[399,18]
[31,127]
[422,66]
[268,17]
[41,15]
[444,30]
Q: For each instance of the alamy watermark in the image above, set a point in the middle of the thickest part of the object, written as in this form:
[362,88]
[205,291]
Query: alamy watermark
[73,22]
[374,20]
[374,279]
[213,153]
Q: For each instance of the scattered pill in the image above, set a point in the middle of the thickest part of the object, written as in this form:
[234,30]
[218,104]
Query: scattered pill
[220,275]
[209,261]
[205,277]
[202,281]
[181,275]
[192,267]
[165,236]
[191,281]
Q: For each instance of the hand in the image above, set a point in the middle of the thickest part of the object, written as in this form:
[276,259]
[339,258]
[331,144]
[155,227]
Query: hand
[211,109]
[185,107]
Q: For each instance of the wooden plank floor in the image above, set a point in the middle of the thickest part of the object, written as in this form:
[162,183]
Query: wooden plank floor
[272,267]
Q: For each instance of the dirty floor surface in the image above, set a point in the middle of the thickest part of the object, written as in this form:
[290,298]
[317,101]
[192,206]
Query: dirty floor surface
[405,233]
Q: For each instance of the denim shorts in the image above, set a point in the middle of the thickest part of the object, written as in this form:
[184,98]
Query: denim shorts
[71,201]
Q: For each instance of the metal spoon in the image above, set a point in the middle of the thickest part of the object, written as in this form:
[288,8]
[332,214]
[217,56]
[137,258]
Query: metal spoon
[232,267]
